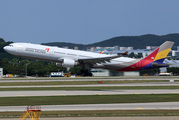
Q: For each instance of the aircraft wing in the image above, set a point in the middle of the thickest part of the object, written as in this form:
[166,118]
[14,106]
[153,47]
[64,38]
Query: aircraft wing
[99,59]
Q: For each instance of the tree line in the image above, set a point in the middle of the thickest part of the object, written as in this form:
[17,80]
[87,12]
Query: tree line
[32,67]
[44,68]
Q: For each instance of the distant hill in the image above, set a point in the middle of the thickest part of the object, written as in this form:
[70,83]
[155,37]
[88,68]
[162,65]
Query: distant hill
[126,41]
[64,44]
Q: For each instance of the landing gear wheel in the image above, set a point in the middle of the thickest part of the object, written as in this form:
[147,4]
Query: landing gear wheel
[82,71]
[90,74]
[86,73]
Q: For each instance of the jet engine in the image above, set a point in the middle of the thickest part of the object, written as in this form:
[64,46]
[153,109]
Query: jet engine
[69,63]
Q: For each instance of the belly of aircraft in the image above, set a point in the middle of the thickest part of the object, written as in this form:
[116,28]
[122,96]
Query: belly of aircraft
[116,66]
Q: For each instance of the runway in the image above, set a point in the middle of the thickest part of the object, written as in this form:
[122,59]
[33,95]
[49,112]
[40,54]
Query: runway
[123,106]
[100,85]
[85,92]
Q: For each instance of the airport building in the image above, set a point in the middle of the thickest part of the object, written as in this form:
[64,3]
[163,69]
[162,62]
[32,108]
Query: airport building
[1,72]
[117,50]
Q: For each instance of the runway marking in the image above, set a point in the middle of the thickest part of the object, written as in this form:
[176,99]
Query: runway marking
[117,85]
[175,92]
[21,95]
[55,86]
[140,108]
[136,93]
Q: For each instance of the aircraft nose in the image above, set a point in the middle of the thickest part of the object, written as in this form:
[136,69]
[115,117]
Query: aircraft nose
[6,48]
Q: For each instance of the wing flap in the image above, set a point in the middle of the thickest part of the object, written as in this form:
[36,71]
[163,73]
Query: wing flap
[100,59]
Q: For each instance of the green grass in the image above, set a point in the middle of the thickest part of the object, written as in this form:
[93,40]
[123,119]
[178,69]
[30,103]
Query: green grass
[77,82]
[90,99]
[91,88]
[98,113]
[112,113]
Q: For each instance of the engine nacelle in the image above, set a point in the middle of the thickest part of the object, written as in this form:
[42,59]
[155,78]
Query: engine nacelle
[66,63]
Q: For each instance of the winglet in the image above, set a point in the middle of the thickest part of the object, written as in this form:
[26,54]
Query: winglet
[101,52]
[124,53]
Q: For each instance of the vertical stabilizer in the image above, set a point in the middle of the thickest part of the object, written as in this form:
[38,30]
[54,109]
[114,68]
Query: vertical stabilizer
[163,51]
[157,56]
[153,60]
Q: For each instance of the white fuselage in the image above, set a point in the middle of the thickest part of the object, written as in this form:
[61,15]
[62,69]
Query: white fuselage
[56,54]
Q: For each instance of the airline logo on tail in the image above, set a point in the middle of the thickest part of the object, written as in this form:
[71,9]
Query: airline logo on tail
[154,60]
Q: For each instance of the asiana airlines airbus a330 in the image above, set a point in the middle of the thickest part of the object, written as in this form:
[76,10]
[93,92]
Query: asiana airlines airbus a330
[70,58]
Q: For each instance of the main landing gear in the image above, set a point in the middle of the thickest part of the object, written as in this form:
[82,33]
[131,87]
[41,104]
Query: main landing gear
[86,73]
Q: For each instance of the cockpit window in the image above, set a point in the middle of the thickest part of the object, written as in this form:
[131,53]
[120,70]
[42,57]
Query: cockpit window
[11,45]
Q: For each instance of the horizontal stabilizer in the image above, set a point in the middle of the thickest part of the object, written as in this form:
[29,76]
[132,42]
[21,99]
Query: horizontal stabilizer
[160,65]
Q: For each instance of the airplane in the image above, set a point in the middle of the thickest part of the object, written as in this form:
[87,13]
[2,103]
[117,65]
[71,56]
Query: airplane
[70,58]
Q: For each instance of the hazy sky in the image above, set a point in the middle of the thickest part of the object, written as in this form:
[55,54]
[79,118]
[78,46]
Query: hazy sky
[85,21]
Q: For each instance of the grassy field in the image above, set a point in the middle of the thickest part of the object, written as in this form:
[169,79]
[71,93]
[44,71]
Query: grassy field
[77,82]
[90,99]
[90,88]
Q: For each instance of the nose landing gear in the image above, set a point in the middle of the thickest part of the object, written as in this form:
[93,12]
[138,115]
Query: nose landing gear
[19,60]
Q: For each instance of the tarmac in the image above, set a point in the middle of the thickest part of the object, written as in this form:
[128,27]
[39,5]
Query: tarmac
[107,118]
[168,105]
[98,85]
[82,107]
[85,92]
